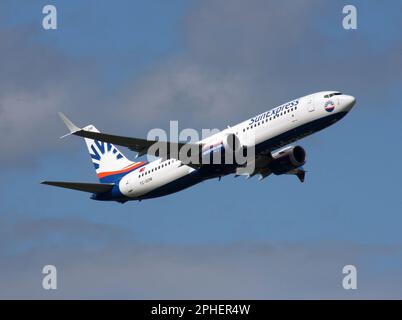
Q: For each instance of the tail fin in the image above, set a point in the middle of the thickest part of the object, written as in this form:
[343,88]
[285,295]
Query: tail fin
[110,164]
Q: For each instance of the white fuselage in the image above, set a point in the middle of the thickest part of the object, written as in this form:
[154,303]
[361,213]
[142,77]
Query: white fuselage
[267,131]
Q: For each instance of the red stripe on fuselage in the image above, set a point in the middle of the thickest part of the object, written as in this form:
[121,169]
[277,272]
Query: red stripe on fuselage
[128,168]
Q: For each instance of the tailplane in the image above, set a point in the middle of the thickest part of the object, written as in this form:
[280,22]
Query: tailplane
[82,186]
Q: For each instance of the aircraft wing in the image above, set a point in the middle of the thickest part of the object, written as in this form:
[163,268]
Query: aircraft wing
[260,165]
[82,186]
[141,146]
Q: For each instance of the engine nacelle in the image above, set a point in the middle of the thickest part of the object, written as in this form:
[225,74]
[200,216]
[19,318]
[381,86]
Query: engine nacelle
[231,143]
[224,151]
[287,159]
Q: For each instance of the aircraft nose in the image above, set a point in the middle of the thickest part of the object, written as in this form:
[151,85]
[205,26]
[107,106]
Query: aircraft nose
[348,102]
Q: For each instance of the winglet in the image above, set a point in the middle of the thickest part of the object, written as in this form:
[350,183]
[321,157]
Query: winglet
[71,126]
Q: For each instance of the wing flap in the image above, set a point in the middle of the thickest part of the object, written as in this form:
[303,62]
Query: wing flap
[82,186]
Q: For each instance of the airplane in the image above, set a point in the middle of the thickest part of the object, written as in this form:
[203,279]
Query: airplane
[268,134]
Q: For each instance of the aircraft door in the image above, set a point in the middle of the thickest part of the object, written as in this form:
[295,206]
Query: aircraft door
[310,103]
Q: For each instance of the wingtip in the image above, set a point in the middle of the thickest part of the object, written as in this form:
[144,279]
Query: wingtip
[71,126]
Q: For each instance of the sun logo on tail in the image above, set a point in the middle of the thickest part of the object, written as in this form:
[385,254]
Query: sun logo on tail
[103,152]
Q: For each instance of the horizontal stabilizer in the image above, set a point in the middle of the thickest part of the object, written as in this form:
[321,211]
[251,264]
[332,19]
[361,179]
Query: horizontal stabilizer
[81,186]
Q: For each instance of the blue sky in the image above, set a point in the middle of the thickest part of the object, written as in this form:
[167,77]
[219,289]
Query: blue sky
[130,66]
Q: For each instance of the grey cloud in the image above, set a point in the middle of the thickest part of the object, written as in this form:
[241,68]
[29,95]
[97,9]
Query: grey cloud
[236,60]
[36,81]
[99,261]
[242,58]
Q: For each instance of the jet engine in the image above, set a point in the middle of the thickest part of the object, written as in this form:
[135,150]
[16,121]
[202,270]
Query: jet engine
[224,151]
[287,159]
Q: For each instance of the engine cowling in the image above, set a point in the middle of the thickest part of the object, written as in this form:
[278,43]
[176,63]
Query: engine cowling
[224,150]
[287,159]
[231,143]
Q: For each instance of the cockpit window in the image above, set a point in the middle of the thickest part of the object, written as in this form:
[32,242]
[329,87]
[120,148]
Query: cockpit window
[332,94]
